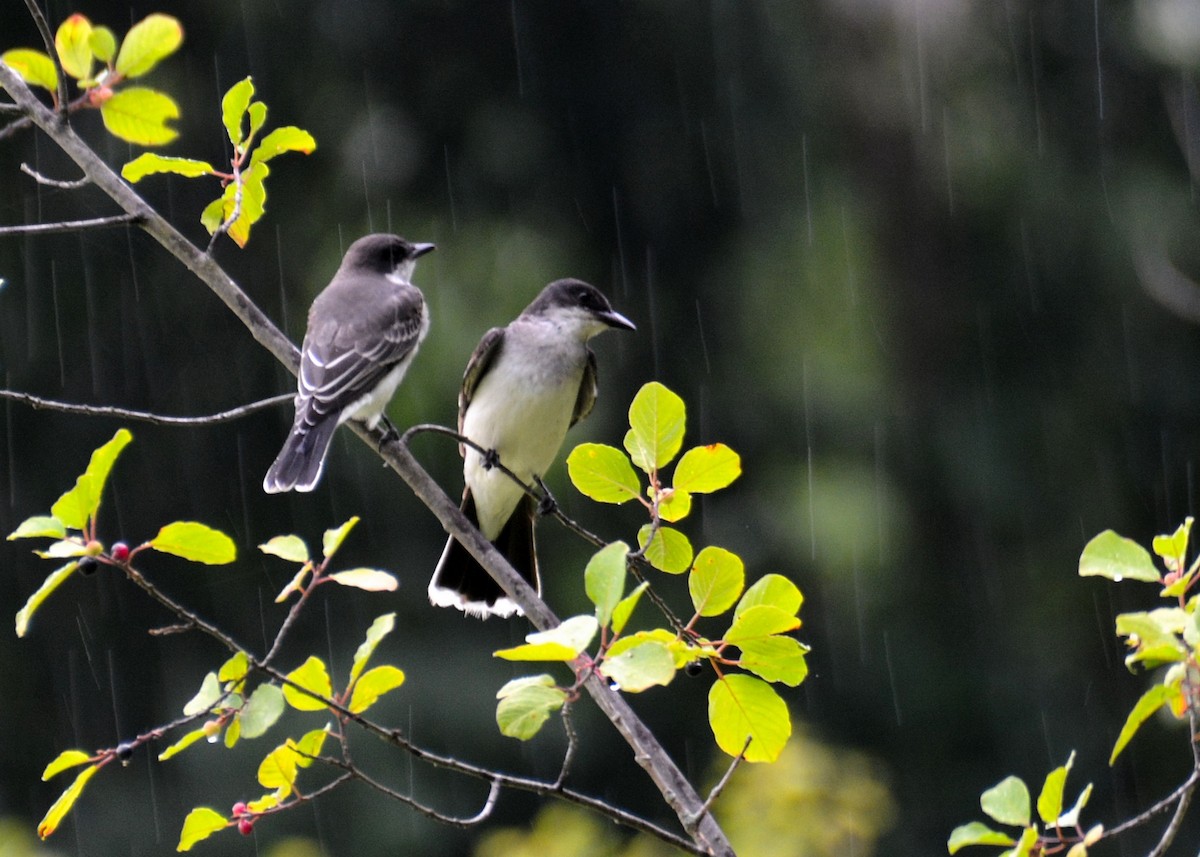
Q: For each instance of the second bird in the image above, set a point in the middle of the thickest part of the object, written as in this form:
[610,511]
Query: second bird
[524,386]
[363,332]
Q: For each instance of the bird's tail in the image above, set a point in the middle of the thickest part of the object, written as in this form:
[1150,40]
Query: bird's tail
[461,582]
[298,465]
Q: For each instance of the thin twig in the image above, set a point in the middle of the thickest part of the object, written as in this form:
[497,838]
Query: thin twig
[43,28]
[429,812]
[58,183]
[724,781]
[144,416]
[69,225]
[572,744]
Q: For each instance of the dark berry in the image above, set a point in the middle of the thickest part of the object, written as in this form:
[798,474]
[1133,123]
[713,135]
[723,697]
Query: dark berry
[88,565]
[120,552]
[239,809]
[245,826]
[694,668]
[124,752]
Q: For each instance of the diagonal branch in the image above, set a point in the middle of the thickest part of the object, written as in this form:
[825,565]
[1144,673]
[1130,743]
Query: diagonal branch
[38,403]
[647,751]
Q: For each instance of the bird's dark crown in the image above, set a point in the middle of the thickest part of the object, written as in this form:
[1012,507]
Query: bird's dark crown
[382,252]
[570,293]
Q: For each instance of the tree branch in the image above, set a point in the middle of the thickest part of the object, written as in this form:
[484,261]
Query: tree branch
[143,416]
[75,184]
[43,28]
[69,225]
[648,753]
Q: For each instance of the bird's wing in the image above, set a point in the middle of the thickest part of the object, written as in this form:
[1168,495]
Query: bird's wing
[342,362]
[482,358]
[587,390]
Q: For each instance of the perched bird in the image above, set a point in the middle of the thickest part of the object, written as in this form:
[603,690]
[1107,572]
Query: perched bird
[524,386]
[363,331]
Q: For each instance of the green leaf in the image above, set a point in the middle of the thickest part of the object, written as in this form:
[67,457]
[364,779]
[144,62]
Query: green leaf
[604,579]
[290,548]
[66,800]
[73,46]
[380,628]
[373,684]
[704,469]
[1151,701]
[244,214]
[76,506]
[51,583]
[262,709]
[195,542]
[64,760]
[332,540]
[213,215]
[286,139]
[774,590]
[235,668]
[1117,558]
[1050,799]
[183,743]
[233,733]
[72,547]
[309,745]
[656,422]
[526,704]
[258,115]
[205,698]
[977,833]
[103,44]
[310,675]
[645,665]
[369,579]
[775,659]
[39,526]
[147,43]
[149,163]
[563,643]
[716,581]
[200,824]
[278,769]
[233,108]
[1007,802]
[140,115]
[34,67]
[759,621]
[603,473]
[742,707]
[624,608]
[1173,548]
[668,551]
[674,505]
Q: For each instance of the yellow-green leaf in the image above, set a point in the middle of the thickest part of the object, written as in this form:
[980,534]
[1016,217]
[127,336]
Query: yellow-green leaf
[310,675]
[66,800]
[674,504]
[774,590]
[286,139]
[295,584]
[183,743]
[669,550]
[103,44]
[235,668]
[278,769]
[196,542]
[716,581]
[206,697]
[147,43]
[241,216]
[563,643]
[656,423]
[213,215]
[233,108]
[1050,799]
[762,620]
[1007,802]
[1151,701]
[604,579]
[64,760]
[51,583]
[233,732]
[262,709]
[526,704]
[34,67]
[1117,558]
[704,469]
[775,659]
[977,833]
[290,548]
[332,540]
[39,526]
[76,506]
[369,579]
[624,608]
[373,684]
[741,708]
[200,824]
[140,115]
[73,46]
[641,667]
[257,111]
[149,163]
[603,473]
[380,628]
[309,746]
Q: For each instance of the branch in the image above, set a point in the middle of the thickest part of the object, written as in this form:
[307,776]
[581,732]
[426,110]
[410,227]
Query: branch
[58,183]
[39,21]
[144,416]
[69,225]
[355,773]
[647,751]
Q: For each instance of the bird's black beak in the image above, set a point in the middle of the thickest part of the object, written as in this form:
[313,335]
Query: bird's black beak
[614,319]
[420,250]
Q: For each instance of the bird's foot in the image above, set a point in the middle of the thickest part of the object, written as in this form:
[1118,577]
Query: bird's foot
[547,505]
[490,459]
[390,433]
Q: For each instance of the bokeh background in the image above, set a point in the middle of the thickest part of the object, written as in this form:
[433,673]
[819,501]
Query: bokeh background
[926,264]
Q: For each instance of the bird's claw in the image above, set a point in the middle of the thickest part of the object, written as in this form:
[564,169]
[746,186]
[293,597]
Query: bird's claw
[546,504]
[490,459]
[389,434]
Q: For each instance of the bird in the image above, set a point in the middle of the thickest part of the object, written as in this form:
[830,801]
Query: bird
[364,329]
[524,386]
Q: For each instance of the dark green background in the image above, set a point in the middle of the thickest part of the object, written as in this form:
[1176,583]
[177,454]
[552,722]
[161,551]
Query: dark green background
[898,254]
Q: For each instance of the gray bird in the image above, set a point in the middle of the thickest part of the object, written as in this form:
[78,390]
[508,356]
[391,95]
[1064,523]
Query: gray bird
[363,332]
[524,386]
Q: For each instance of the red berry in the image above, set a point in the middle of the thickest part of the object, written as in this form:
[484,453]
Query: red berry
[239,809]
[245,826]
[120,552]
